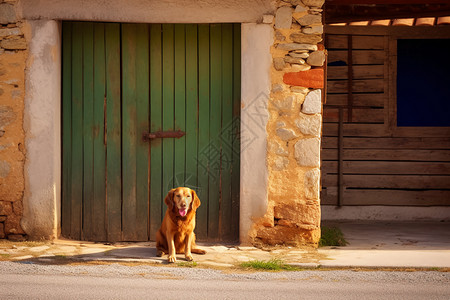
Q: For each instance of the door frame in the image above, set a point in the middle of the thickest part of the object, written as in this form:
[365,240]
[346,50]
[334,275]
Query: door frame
[42,197]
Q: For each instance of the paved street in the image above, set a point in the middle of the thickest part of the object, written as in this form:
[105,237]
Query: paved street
[118,281]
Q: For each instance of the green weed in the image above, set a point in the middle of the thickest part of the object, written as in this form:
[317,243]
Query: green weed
[271,265]
[331,236]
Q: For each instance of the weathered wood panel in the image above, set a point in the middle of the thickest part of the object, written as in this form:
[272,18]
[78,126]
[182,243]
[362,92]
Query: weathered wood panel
[359,72]
[370,100]
[359,42]
[388,168]
[388,155]
[376,165]
[359,115]
[359,57]
[358,86]
[388,197]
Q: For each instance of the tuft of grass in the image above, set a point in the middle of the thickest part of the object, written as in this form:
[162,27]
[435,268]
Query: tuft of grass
[331,236]
[187,264]
[271,265]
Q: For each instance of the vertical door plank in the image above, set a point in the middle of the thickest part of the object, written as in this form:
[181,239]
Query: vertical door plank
[77,132]
[156,196]
[235,173]
[88,124]
[113,132]
[168,115]
[129,131]
[215,183]
[180,104]
[227,130]
[99,185]
[191,107]
[203,130]
[134,123]
[142,119]
[67,129]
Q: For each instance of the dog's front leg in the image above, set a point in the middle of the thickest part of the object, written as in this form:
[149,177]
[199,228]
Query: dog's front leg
[188,246]
[171,243]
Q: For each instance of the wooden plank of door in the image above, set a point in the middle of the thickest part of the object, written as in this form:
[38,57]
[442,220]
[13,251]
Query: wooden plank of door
[113,132]
[99,205]
[226,132]
[180,104]
[142,120]
[134,122]
[129,131]
[77,131]
[235,173]
[215,184]
[66,129]
[191,107]
[156,196]
[203,130]
[88,126]
[168,114]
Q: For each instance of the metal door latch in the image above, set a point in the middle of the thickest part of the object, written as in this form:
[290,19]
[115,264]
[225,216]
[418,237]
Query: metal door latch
[162,134]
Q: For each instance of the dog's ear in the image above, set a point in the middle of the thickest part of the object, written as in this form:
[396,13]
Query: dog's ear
[195,200]
[169,199]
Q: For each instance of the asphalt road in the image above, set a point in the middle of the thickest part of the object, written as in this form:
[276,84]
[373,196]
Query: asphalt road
[33,281]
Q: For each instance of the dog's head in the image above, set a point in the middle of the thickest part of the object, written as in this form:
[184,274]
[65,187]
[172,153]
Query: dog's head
[181,200]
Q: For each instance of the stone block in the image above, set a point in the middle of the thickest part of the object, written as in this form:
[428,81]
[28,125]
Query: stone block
[299,89]
[279,63]
[283,17]
[285,105]
[313,3]
[299,55]
[277,87]
[315,29]
[316,58]
[276,148]
[5,168]
[308,20]
[280,163]
[299,213]
[303,38]
[4,32]
[313,102]
[307,152]
[312,184]
[289,236]
[14,44]
[309,124]
[313,78]
[5,208]
[7,115]
[7,13]
[300,68]
[279,36]
[294,60]
[286,134]
[16,238]
[267,19]
[295,46]
[12,225]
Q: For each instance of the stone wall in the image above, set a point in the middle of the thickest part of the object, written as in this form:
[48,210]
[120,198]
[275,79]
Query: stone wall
[294,128]
[13,55]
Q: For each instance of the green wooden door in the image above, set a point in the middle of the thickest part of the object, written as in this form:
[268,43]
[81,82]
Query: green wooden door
[122,80]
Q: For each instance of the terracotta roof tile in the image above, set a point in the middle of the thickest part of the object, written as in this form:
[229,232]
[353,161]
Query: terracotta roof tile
[403,22]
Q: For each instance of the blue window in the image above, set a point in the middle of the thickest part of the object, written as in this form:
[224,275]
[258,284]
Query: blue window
[423,82]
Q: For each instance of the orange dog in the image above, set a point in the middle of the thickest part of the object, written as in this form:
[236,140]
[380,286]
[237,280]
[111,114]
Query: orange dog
[176,234]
